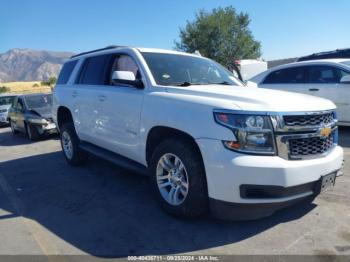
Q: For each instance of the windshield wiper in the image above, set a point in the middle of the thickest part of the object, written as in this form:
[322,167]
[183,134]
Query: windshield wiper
[184,84]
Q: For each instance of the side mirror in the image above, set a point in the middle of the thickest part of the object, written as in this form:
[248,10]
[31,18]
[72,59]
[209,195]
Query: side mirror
[345,79]
[126,77]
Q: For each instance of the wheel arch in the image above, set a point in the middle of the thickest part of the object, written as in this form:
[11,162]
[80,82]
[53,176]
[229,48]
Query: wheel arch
[157,134]
[64,115]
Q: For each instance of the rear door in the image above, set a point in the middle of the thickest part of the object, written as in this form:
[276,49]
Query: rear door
[288,79]
[324,81]
[91,79]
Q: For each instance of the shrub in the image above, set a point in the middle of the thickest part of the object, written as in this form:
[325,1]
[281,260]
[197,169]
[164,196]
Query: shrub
[4,89]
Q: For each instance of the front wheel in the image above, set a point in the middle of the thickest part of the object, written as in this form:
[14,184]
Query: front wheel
[32,132]
[178,178]
[70,145]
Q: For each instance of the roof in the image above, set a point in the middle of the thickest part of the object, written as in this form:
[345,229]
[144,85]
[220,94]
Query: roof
[310,62]
[34,94]
[141,49]
[6,94]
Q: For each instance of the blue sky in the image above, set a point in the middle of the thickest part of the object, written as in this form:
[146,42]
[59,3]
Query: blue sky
[285,28]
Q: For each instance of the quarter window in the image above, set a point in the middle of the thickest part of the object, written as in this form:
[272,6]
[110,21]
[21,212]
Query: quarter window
[294,75]
[66,71]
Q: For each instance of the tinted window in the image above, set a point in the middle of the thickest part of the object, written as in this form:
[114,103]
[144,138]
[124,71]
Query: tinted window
[66,71]
[294,75]
[94,70]
[325,74]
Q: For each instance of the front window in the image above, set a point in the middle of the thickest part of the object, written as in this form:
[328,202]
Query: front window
[6,100]
[185,70]
[38,101]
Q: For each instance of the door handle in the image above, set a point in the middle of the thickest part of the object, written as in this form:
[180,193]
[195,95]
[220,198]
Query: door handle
[102,98]
[74,93]
[313,89]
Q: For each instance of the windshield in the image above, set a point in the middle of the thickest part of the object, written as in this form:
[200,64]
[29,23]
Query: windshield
[183,70]
[38,101]
[6,100]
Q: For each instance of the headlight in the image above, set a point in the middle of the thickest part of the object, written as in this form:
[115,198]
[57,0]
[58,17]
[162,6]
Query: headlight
[253,133]
[37,121]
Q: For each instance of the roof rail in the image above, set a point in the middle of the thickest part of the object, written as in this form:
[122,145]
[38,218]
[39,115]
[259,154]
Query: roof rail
[96,50]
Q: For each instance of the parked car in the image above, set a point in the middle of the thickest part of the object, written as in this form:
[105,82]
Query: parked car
[32,115]
[5,103]
[328,78]
[338,53]
[206,140]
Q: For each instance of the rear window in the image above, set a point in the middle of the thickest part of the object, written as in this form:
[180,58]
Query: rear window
[95,70]
[66,71]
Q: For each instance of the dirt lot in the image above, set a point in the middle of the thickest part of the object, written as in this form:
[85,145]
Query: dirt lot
[49,207]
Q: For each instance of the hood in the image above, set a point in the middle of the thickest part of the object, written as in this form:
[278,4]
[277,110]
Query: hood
[7,107]
[43,112]
[252,98]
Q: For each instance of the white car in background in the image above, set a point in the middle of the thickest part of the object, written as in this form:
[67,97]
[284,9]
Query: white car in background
[327,78]
[5,104]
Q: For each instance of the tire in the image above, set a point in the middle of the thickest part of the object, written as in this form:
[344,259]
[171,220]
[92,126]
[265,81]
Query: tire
[13,129]
[70,145]
[195,202]
[32,132]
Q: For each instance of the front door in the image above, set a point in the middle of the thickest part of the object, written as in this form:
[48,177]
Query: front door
[324,81]
[119,110]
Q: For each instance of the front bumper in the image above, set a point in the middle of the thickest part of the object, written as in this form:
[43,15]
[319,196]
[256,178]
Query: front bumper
[47,129]
[228,171]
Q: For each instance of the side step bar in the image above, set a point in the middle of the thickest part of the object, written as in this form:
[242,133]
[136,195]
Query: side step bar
[114,158]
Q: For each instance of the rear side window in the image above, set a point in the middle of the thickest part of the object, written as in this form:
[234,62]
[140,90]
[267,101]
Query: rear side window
[294,75]
[95,70]
[66,71]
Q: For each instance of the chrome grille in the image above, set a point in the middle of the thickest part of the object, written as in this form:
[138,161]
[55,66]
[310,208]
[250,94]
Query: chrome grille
[310,146]
[309,120]
[304,135]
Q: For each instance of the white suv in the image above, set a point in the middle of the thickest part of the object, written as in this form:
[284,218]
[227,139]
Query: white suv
[206,141]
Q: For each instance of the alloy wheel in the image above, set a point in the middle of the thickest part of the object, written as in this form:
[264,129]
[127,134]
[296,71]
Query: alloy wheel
[67,145]
[172,179]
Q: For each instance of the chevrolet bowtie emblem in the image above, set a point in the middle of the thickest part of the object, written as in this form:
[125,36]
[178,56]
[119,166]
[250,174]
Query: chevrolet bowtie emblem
[325,132]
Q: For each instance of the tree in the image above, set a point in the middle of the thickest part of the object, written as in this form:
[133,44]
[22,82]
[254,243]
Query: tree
[51,82]
[222,35]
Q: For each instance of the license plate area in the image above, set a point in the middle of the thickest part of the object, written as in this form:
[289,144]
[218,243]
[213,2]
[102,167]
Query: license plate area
[327,182]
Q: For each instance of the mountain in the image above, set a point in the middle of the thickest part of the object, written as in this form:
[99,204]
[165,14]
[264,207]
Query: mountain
[30,65]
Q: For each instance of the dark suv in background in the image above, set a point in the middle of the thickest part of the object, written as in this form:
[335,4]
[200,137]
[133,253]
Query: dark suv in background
[338,53]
